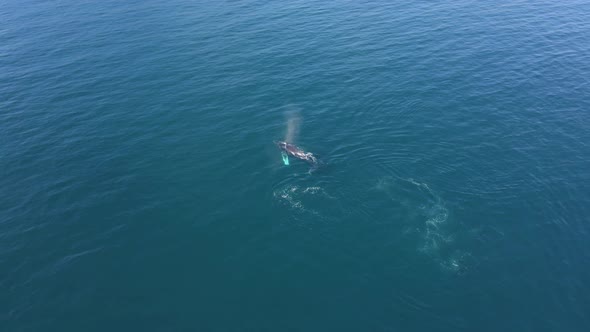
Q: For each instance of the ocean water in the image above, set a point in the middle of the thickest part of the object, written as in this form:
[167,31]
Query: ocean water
[140,189]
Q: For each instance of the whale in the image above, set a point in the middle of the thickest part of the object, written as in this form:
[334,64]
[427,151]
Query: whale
[296,152]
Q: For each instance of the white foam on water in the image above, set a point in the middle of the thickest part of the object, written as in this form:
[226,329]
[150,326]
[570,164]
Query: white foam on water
[429,220]
[312,190]
[319,191]
[288,196]
[303,202]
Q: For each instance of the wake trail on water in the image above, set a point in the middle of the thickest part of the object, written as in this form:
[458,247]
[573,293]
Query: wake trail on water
[427,217]
[306,204]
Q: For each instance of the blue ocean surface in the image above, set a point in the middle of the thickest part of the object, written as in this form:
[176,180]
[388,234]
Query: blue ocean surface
[140,188]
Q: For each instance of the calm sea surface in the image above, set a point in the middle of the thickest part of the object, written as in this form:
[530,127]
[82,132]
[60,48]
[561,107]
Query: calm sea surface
[140,189]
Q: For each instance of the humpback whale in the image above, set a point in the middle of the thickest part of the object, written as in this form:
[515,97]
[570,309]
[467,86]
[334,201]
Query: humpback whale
[296,152]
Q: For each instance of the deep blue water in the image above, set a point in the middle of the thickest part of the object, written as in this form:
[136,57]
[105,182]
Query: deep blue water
[140,189]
